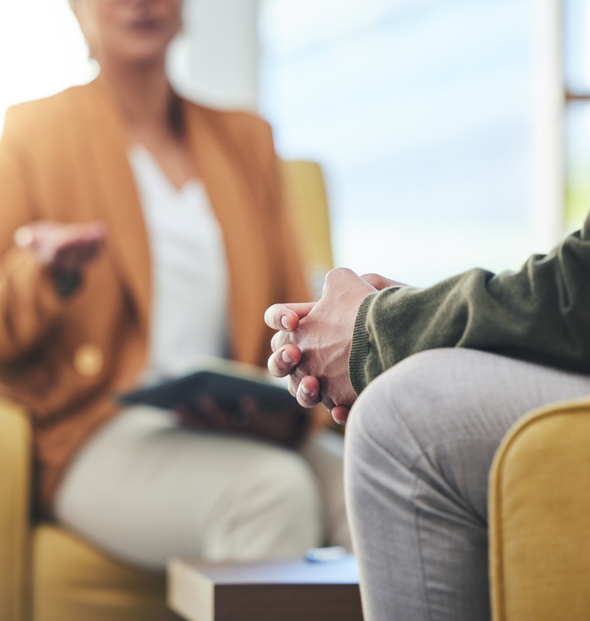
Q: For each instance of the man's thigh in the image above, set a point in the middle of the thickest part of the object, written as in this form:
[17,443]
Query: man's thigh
[450,408]
[420,444]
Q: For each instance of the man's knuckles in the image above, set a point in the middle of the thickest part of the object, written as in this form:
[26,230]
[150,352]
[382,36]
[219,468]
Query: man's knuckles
[335,277]
[279,339]
[375,280]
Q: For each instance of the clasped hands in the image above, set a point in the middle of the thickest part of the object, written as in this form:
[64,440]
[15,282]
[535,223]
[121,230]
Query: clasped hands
[313,341]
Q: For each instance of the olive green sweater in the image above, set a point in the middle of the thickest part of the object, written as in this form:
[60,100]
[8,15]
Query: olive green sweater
[540,313]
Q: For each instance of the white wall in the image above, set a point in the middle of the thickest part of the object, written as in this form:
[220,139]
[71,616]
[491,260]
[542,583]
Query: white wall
[42,52]
[217,59]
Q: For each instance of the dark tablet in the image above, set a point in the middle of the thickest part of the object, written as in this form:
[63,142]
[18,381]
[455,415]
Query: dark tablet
[225,388]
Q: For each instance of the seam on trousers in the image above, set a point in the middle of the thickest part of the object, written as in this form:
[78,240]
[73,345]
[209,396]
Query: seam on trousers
[417,479]
[422,450]
[420,551]
[464,503]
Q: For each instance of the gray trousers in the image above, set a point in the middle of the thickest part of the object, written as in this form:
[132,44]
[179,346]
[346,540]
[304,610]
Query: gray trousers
[419,447]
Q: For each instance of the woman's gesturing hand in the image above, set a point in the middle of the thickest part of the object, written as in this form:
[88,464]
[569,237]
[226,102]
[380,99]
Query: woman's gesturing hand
[62,247]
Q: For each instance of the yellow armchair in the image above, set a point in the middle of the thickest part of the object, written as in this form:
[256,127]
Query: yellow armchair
[539,517]
[15,442]
[48,574]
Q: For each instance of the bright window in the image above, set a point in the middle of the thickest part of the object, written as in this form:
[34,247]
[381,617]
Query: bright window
[576,56]
[419,112]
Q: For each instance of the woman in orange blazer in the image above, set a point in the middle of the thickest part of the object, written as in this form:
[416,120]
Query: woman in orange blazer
[77,299]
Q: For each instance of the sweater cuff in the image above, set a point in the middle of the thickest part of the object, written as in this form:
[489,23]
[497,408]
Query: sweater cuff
[359,350]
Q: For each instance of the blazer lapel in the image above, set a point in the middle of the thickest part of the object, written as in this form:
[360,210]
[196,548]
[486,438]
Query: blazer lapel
[117,196]
[232,197]
[234,204]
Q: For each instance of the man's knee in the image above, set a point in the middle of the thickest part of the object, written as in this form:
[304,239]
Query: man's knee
[390,401]
[401,413]
[375,437]
[422,394]
[429,415]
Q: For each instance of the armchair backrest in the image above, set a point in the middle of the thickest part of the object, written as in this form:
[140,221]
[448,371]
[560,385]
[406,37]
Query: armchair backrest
[306,198]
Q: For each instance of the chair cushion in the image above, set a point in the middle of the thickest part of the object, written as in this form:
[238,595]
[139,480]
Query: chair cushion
[73,581]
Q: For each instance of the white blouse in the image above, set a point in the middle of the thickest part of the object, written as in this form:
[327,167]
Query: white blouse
[190,284]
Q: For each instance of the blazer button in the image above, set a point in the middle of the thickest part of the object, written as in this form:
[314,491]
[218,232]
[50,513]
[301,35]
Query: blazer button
[88,360]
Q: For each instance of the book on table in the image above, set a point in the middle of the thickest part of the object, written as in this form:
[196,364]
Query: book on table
[283,589]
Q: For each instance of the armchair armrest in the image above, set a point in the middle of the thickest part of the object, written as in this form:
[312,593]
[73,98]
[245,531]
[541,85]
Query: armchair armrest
[15,473]
[539,517]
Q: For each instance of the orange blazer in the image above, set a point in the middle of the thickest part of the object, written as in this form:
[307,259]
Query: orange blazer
[65,158]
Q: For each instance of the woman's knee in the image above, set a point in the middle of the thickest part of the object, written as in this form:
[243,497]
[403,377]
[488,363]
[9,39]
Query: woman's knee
[283,484]
[281,496]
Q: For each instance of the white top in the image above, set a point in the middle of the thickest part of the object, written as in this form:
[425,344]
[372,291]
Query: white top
[190,297]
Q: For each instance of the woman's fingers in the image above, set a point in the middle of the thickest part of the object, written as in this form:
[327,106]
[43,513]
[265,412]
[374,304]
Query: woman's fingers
[24,237]
[81,244]
[62,245]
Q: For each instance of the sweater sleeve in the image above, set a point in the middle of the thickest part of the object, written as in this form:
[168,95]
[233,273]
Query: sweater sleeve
[29,302]
[540,313]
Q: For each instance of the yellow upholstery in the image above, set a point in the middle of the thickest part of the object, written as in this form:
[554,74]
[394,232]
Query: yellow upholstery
[540,517]
[74,581]
[48,574]
[15,443]
[307,201]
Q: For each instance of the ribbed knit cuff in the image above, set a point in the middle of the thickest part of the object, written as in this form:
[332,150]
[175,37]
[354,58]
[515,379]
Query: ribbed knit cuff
[359,350]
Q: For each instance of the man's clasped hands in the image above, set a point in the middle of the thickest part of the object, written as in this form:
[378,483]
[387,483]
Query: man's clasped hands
[313,341]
